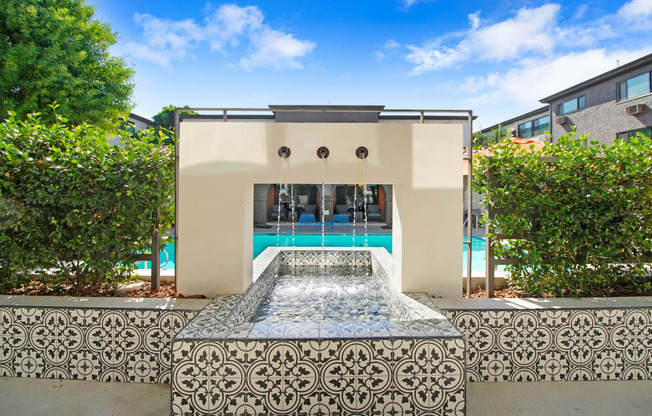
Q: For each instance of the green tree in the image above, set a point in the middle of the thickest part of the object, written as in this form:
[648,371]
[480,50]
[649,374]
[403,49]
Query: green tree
[496,135]
[165,119]
[77,207]
[55,51]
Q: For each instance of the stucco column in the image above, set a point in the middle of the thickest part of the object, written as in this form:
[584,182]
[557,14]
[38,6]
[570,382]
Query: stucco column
[260,203]
[389,198]
[328,201]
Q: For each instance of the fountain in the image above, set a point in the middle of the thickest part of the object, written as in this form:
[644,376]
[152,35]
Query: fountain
[344,341]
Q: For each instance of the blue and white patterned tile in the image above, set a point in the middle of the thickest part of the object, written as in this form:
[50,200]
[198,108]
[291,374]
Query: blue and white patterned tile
[378,329]
[267,330]
[406,329]
[336,330]
[301,330]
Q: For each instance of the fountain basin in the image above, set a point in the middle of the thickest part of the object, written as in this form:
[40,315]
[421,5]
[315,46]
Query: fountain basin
[232,360]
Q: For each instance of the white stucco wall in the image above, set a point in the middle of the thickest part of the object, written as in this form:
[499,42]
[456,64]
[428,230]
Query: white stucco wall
[219,163]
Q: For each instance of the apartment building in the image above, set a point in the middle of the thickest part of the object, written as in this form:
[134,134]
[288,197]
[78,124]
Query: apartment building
[614,105]
[533,125]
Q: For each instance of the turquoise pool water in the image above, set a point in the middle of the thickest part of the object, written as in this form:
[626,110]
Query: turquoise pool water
[262,241]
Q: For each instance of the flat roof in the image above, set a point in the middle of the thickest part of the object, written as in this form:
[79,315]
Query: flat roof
[271,112]
[140,118]
[513,119]
[647,59]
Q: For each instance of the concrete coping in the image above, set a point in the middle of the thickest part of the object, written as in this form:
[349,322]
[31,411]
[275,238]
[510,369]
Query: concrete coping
[103,303]
[543,303]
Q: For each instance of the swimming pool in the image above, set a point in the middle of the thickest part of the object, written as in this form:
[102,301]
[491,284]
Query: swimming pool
[262,241]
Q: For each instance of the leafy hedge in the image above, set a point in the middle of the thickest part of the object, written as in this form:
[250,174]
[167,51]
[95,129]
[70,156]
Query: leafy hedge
[585,219]
[73,208]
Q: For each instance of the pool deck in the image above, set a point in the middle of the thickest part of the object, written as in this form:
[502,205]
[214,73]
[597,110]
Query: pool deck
[372,228]
[81,398]
[286,228]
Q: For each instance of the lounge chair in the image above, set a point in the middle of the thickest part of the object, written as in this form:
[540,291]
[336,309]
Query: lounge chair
[310,209]
[373,212]
[343,210]
[341,219]
[273,213]
[307,219]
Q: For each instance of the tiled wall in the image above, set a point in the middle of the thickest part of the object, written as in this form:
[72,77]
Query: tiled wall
[124,345]
[557,344]
[319,377]
[376,368]
[328,257]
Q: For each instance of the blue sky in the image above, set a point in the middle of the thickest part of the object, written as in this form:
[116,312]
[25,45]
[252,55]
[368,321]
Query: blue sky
[497,57]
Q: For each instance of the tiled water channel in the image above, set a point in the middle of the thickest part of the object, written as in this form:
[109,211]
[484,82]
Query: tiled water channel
[227,361]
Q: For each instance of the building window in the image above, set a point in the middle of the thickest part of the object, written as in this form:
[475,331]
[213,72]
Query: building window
[534,127]
[635,86]
[571,105]
[626,135]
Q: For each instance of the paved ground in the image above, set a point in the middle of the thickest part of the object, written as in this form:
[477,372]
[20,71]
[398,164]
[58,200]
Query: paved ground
[32,397]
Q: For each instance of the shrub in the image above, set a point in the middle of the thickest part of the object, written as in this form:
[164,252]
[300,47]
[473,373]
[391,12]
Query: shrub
[76,209]
[584,219]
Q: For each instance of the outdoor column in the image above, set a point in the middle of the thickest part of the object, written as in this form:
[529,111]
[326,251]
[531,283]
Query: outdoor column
[261,203]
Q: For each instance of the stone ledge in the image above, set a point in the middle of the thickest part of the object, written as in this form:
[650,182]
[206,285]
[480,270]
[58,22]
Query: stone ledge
[543,304]
[103,303]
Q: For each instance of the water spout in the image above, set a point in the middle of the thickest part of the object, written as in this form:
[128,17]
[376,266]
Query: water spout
[361,152]
[365,194]
[284,152]
[323,152]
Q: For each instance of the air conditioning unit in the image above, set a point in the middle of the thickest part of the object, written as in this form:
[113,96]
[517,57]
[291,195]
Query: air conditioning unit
[633,110]
[562,120]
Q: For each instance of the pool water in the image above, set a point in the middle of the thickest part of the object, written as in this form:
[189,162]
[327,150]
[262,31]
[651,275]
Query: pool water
[262,241]
[350,295]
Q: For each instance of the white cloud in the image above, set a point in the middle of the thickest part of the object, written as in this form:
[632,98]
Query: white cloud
[532,29]
[636,9]
[275,49]
[230,22]
[474,18]
[581,11]
[389,48]
[432,56]
[165,40]
[391,44]
[524,85]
